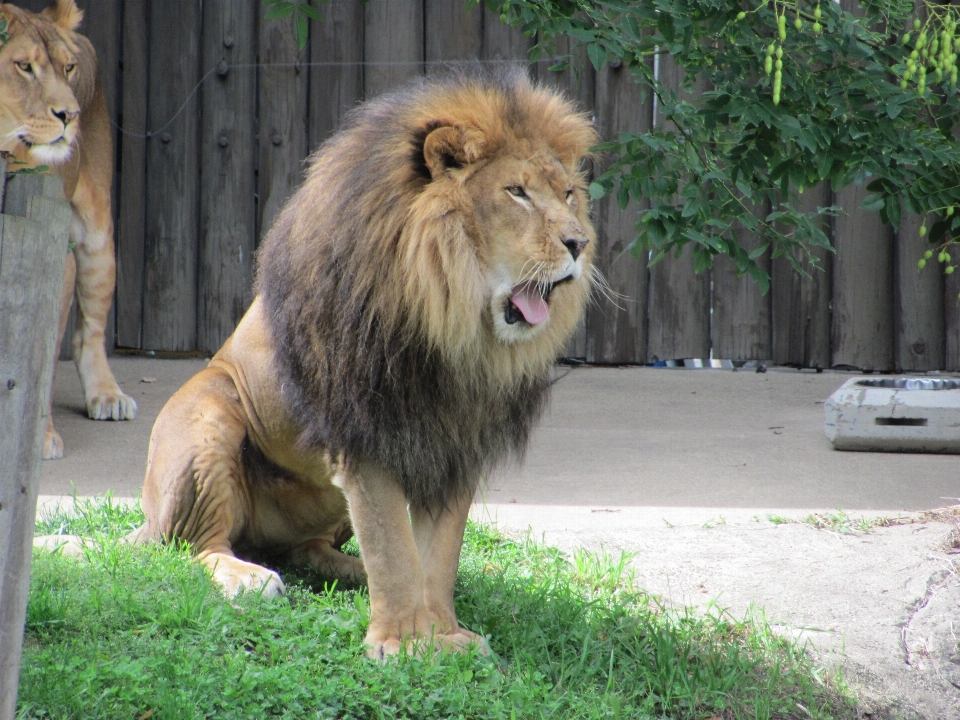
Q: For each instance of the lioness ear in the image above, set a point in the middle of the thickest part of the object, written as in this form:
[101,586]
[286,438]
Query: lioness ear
[64,13]
[450,147]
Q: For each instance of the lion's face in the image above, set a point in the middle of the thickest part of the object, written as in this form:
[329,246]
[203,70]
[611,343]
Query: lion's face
[532,213]
[39,111]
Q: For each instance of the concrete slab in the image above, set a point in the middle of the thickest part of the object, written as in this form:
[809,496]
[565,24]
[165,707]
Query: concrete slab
[693,471]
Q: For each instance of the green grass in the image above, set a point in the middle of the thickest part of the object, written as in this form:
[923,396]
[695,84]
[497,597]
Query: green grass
[139,632]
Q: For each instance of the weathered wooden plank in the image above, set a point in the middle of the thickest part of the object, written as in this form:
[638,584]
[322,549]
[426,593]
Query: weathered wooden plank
[336,68]
[283,116]
[453,34]
[393,44]
[801,304]
[951,318]
[617,319]
[31,276]
[679,306]
[227,146]
[502,42]
[741,324]
[172,221]
[132,150]
[863,327]
[919,301]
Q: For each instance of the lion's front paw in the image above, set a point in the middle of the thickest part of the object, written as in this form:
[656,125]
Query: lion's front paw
[112,406]
[381,645]
[69,545]
[234,576]
[52,445]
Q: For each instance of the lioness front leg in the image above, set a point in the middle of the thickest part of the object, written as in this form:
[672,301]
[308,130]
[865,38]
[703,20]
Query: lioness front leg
[96,279]
[410,603]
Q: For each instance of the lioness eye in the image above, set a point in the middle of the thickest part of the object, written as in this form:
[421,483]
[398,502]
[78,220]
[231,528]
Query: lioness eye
[569,196]
[25,66]
[68,69]
[517,191]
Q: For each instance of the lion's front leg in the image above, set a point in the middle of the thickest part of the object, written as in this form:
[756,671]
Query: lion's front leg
[410,577]
[96,279]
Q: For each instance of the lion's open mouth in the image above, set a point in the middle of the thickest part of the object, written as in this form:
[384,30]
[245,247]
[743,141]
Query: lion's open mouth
[529,302]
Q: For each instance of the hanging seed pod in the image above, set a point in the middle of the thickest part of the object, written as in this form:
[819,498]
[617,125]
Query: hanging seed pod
[948,270]
[816,13]
[928,254]
[916,23]
[923,229]
[817,27]
[777,82]
[906,39]
[921,263]
[797,22]
[782,26]
[741,15]
[768,65]
[949,212]
[779,53]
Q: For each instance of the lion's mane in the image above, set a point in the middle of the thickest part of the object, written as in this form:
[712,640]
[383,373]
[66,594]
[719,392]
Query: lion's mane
[377,306]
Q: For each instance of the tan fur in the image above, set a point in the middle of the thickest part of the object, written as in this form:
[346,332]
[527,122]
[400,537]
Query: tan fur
[431,241]
[52,112]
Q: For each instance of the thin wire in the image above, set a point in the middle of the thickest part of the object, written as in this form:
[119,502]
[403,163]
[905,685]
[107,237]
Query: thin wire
[247,66]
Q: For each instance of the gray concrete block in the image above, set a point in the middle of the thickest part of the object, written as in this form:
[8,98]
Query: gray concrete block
[895,415]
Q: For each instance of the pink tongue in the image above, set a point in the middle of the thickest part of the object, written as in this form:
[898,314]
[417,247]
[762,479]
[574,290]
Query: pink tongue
[529,302]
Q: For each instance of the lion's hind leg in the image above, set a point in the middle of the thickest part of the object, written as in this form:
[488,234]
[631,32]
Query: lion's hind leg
[235,576]
[323,556]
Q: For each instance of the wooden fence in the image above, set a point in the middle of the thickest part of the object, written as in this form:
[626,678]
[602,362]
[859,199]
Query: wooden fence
[34,235]
[219,109]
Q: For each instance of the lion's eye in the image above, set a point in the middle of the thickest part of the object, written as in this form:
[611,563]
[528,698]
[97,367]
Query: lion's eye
[68,69]
[569,196]
[24,66]
[517,191]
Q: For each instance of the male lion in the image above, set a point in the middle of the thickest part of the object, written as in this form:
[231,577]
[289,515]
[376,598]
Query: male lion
[52,112]
[412,299]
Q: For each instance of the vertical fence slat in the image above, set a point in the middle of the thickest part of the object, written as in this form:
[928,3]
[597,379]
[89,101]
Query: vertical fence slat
[338,87]
[679,298]
[227,146]
[132,149]
[393,44]
[863,325]
[283,117]
[170,274]
[452,33]
[32,255]
[740,326]
[616,327]
[801,304]
[919,340]
[951,317]
[501,41]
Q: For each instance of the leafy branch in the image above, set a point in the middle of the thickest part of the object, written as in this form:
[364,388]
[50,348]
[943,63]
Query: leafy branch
[794,93]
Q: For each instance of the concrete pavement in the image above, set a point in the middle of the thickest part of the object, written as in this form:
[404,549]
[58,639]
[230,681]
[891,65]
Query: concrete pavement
[695,472]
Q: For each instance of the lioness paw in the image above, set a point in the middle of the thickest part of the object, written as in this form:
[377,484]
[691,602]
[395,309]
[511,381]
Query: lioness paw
[112,406]
[52,445]
[68,545]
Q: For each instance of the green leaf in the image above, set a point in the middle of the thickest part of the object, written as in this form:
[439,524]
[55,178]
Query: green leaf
[597,190]
[310,11]
[597,55]
[892,210]
[872,202]
[279,10]
[301,23]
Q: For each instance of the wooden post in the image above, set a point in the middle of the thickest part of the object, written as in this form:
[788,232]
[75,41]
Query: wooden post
[32,257]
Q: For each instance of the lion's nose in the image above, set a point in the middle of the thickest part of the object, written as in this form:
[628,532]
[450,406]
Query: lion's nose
[575,246]
[65,116]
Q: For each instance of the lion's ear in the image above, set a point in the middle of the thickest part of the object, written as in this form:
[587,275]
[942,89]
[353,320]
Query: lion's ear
[449,147]
[64,13]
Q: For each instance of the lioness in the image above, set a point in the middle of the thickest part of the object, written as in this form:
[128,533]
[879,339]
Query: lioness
[52,112]
[412,299]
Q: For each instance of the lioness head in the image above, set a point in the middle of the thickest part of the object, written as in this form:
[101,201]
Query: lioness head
[44,74]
